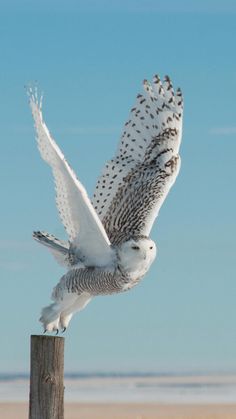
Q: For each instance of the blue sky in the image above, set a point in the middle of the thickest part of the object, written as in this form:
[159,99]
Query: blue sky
[90,58]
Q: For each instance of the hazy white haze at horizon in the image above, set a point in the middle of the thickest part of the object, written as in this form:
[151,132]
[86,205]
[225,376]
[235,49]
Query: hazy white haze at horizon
[90,63]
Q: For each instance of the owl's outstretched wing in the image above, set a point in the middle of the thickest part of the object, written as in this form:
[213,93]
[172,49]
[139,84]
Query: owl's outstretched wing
[85,230]
[135,183]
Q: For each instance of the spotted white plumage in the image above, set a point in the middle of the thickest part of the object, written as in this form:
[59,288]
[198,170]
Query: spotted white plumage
[147,151]
[108,249]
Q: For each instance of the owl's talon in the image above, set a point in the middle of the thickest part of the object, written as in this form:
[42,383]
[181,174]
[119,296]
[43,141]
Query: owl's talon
[63,330]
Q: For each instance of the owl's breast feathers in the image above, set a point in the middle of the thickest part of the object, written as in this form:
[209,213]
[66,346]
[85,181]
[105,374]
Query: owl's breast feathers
[95,281]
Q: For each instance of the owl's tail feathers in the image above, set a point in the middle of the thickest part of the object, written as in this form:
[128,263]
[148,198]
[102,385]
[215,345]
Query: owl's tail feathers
[58,248]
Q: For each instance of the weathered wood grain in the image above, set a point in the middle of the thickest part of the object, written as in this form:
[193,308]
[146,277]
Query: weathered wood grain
[47,378]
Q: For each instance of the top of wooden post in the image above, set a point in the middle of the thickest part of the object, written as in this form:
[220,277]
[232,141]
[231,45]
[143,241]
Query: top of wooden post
[45,337]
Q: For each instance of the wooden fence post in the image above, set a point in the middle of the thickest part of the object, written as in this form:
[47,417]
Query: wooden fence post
[46,378]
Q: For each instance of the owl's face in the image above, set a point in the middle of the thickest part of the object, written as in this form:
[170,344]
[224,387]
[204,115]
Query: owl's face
[136,256]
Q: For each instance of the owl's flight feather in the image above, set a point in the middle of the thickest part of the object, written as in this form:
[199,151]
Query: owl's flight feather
[134,184]
[81,222]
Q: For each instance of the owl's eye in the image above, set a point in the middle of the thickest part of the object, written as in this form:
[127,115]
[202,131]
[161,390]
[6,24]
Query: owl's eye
[151,247]
[135,247]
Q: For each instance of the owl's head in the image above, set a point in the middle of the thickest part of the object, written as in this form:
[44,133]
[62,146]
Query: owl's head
[136,255]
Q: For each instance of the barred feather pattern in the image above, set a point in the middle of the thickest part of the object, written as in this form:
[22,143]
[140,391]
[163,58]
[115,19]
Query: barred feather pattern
[144,188]
[94,281]
[134,184]
[50,240]
[59,248]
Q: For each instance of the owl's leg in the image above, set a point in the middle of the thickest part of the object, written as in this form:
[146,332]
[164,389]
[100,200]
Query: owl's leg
[57,316]
[50,315]
[79,304]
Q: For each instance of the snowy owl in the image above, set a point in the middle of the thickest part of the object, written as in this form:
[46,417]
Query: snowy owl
[109,249]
